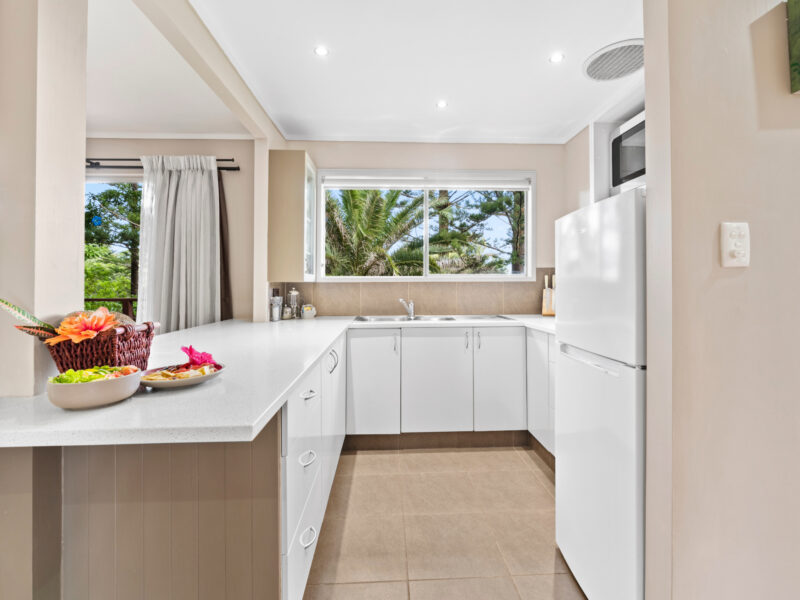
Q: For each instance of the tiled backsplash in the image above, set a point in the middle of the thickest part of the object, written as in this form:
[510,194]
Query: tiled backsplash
[430,298]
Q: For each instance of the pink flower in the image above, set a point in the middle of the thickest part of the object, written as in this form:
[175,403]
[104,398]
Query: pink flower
[197,358]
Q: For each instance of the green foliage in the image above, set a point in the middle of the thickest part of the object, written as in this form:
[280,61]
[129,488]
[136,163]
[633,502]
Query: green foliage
[107,275]
[378,232]
[112,247]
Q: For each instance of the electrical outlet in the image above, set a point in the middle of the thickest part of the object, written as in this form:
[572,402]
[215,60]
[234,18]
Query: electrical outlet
[734,244]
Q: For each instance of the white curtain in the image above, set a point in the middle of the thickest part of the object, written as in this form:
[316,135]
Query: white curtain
[179,273]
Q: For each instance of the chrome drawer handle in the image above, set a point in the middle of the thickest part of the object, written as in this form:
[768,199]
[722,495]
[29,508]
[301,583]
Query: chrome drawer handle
[308,395]
[313,537]
[312,457]
[479,340]
[466,340]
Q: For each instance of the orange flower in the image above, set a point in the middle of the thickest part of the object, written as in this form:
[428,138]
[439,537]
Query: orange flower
[83,326]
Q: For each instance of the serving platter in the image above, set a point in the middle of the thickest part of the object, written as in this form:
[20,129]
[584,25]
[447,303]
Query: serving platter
[178,383]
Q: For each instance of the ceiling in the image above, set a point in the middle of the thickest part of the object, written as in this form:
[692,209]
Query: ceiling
[139,86]
[390,62]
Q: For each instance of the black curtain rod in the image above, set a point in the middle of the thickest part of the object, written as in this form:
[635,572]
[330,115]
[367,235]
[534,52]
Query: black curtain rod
[94,163]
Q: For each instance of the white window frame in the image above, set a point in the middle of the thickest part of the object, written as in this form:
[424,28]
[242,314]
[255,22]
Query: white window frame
[429,180]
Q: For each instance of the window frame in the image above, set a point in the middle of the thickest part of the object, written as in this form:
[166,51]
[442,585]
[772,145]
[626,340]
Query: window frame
[428,180]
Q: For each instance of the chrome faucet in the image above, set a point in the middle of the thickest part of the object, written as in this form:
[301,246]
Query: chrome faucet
[409,306]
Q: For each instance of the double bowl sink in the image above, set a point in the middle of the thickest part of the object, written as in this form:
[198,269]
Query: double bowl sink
[404,318]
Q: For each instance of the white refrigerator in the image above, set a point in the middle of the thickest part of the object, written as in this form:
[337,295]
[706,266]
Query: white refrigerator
[600,395]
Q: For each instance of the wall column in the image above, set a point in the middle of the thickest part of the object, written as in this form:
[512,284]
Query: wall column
[43,125]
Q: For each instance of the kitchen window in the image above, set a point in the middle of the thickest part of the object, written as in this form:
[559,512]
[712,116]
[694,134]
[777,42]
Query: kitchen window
[443,226]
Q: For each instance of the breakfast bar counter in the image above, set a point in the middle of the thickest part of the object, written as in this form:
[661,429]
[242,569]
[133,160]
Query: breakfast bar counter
[262,361]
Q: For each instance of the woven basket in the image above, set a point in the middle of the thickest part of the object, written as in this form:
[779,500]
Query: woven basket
[124,345]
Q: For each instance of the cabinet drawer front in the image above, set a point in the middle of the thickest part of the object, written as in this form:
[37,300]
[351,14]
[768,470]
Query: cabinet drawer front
[304,446]
[297,562]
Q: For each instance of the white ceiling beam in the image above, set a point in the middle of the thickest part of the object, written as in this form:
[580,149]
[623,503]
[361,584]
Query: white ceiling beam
[182,27]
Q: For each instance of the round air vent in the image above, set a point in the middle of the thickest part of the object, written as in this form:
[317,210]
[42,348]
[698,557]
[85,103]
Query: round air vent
[615,61]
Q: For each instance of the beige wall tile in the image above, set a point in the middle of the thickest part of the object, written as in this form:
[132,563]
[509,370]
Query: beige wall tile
[337,299]
[496,588]
[380,298]
[434,298]
[306,290]
[548,587]
[480,298]
[522,298]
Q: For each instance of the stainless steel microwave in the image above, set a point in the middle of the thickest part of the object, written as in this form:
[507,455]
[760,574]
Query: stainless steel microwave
[628,155]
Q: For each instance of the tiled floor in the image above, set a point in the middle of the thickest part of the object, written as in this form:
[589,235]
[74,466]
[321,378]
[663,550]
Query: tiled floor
[461,524]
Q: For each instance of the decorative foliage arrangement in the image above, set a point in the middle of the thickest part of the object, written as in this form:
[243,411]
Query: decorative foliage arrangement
[77,327]
[794,44]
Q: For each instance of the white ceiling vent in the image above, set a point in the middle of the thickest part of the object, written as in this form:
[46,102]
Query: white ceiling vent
[615,61]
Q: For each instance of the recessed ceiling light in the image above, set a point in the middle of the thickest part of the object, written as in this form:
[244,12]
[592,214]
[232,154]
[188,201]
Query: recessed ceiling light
[556,57]
[321,51]
[441,104]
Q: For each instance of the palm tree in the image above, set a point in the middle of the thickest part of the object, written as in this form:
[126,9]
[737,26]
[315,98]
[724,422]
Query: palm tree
[371,232]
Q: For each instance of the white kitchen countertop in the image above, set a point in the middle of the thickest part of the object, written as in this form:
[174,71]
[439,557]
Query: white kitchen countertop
[538,322]
[262,363]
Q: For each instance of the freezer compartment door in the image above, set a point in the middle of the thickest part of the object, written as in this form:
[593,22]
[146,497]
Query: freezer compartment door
[600,270]
[600,473]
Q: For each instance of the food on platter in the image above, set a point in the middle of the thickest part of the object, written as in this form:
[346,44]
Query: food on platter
[93,374]
[199,365]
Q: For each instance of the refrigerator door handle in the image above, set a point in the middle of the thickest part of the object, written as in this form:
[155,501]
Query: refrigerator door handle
[588,362]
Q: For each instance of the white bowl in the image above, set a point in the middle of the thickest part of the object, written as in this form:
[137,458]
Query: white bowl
[93,393]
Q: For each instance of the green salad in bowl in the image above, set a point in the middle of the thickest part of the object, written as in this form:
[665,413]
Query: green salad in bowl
[93,374]
[89,388]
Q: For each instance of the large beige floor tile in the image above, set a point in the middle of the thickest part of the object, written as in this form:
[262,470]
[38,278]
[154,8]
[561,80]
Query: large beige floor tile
[451,546]
[395,590]
[527,542]
[514,490]
[365,495]
[548,587]
[496,588]
[542,471]
[428,461]
[442,493]
[360,549]
[369,462]
[489,459]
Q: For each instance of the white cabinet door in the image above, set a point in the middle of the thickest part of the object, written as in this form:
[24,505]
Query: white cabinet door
[499,365]
[334,401]
[373,381]
[538,383]
[437,379]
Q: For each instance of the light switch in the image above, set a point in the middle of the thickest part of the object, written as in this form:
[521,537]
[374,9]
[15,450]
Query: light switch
[734,244]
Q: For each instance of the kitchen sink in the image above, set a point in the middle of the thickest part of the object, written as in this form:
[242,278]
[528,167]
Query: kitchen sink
[404,319]
[401,319]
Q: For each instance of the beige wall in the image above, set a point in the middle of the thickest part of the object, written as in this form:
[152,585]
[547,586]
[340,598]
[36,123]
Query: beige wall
[733,142]
[546,160]
[238,195]
[43,124]
[577,171]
